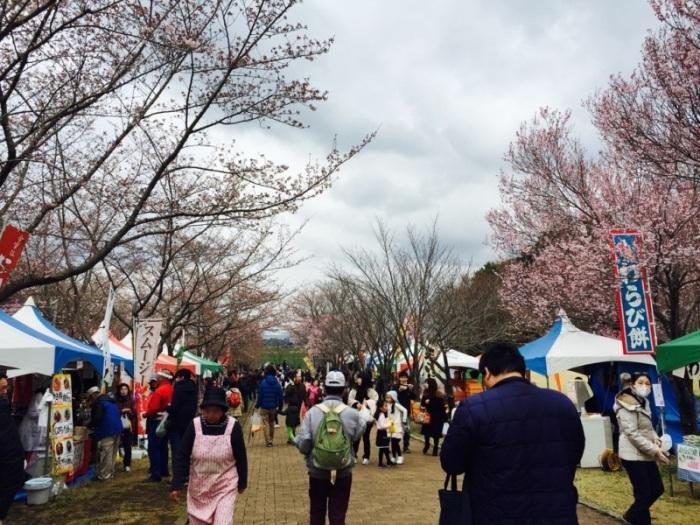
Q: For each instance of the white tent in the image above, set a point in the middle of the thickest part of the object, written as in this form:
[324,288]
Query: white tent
[457,359]
[29,351]
[566,347]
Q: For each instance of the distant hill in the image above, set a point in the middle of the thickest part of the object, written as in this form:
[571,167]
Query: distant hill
[276,338]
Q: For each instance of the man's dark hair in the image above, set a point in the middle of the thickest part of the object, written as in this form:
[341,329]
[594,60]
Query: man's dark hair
[3,376]
[184,373]
[335,390]
[502,358]
[403,373]
[270,369]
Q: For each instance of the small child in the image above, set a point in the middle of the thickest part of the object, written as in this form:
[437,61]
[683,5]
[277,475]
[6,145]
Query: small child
[382,433]
[398,416]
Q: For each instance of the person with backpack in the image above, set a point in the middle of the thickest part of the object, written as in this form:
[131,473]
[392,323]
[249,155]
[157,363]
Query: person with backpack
[234,398]
[325,439]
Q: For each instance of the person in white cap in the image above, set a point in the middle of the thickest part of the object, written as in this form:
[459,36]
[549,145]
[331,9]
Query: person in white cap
[317,435]
[106,425]
[158,401]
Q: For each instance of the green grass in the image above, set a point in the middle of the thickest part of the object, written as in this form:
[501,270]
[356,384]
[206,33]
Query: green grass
[293,356]
[612,492]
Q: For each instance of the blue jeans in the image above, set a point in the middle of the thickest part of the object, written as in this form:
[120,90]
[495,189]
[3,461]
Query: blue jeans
[157,451]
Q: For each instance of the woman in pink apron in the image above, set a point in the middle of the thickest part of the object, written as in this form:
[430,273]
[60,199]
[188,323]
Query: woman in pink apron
[212,453]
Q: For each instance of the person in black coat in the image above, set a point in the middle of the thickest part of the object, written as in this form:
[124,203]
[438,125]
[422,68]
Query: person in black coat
[433,402]
[11,454]
[182,409]
[519,446]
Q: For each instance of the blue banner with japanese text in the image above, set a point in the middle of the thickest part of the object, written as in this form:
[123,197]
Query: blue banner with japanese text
[633,299]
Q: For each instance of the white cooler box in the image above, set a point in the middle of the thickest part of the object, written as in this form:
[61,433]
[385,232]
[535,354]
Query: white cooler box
[598,432]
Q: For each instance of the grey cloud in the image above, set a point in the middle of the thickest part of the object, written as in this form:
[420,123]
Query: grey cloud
[447,83]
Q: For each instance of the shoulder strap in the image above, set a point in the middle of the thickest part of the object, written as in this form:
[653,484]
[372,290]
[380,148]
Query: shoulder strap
[323,408]
[229,426]
[340,408]
[198,426]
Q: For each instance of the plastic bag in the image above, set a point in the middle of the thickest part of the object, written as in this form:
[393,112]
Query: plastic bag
[162,429]
[255,422]
[126,424]
[445,428]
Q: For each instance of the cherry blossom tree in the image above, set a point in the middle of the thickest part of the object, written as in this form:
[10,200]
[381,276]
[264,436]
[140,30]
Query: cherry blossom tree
[557,209]
[111,118]
[650,120]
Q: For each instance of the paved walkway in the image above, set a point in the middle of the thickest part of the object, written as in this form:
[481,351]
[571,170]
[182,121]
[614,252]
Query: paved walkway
[407,493]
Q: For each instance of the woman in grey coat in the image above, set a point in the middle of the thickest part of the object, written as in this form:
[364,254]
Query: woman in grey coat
[639,448]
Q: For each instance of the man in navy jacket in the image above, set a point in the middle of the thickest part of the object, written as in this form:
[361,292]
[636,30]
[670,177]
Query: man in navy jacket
[518,445]
[269,398]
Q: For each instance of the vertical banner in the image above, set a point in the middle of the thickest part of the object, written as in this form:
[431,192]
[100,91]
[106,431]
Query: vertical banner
[12,241]
[633,299]
[146,349]
[62,424]
[103,339]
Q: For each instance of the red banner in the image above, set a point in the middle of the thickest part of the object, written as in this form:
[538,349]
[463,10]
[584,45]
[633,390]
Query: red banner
[12,241]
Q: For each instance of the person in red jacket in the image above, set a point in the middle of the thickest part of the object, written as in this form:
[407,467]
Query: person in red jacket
[158,401]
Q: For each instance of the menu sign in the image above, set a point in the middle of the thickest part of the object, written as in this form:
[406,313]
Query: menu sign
[62,424]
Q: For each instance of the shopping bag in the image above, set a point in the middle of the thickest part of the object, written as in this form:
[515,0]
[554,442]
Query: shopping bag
[455,507]
[162,429]
[126,424]
[255,422]
[445,428]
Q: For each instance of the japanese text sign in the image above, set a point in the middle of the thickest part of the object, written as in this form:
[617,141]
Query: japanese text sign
[146,349]
[62,423]
[633,299]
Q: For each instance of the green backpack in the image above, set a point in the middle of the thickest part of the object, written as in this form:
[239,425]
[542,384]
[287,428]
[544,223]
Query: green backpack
[332,448]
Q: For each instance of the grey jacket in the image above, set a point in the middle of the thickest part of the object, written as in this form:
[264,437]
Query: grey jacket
[638,440]
[353,425]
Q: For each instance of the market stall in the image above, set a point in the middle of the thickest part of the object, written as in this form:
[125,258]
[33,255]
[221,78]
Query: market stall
[566,347]
[31,316]
[167,362]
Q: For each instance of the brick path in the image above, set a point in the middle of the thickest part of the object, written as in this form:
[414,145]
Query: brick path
[278,492]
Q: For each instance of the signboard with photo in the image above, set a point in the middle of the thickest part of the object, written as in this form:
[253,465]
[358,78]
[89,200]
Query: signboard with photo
[62,424]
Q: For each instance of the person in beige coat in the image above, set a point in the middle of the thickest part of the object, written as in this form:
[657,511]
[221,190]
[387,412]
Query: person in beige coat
[639,448]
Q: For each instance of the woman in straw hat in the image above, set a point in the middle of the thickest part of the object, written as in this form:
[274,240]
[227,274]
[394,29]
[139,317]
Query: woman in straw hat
[213,454]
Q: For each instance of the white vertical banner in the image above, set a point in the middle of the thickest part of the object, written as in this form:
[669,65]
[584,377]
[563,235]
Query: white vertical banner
[103,339]
[146,349]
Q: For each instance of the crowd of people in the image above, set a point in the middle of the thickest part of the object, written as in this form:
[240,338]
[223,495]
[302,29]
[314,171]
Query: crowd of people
[517,445]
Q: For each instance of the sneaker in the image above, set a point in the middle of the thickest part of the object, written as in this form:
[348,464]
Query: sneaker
[269,445]
[399,460]
[277,425]
[127,469]
[365,461]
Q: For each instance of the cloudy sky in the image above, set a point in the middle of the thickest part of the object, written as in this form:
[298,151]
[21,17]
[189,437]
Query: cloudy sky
[446,83]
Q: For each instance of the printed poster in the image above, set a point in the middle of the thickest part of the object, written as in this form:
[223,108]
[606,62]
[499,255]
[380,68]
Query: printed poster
[62,424]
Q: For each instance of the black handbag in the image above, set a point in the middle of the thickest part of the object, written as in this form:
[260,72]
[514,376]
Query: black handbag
[455,507]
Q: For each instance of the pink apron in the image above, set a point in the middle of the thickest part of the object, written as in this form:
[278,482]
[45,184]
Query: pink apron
[211,495]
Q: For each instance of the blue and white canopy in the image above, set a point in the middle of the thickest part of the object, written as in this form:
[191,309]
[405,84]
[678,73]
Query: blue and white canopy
[25,349]
[30,316]
[566,347]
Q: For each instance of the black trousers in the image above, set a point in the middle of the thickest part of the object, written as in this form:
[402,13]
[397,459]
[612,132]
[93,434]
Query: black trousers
[647,487]
[332,498]
[366,444]
[126,443]
[8,491]
[395,447]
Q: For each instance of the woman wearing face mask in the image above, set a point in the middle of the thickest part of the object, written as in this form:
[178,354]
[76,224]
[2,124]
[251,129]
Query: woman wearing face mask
[639,448]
